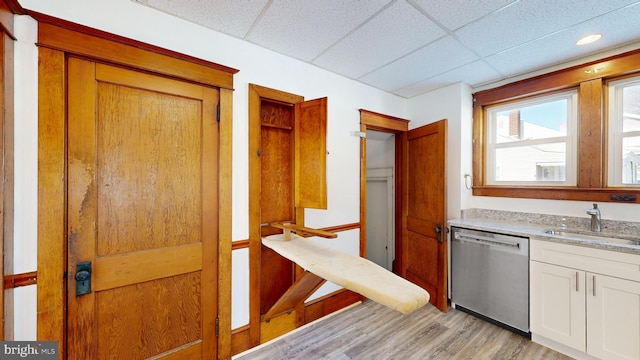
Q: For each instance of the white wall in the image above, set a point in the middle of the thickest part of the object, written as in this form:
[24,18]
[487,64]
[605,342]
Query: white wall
[256,65]
[453,103]
[26,173]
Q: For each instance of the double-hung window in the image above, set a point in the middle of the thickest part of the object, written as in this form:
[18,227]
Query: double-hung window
[532,141]
[624,132]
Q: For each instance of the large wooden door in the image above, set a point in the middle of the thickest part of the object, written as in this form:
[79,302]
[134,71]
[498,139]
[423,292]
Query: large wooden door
[425,248]
[143,210]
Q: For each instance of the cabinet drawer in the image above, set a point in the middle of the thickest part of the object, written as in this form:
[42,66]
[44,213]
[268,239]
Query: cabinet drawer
[599,261]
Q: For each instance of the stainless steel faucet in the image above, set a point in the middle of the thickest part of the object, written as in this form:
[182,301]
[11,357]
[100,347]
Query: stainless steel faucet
[596,221]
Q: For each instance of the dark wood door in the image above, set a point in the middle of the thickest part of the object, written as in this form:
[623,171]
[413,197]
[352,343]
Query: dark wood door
[425,248]
[143,210]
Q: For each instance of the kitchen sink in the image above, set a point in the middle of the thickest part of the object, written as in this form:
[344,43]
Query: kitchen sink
[613,238]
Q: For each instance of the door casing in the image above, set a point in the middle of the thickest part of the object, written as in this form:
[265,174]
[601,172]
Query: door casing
[57,39]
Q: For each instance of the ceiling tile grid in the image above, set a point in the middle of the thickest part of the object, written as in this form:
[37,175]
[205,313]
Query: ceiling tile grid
[438,57]
[408,47]
[477,72]
[397,31]
[231,17]
[455,14]
[619,28]
[303,29]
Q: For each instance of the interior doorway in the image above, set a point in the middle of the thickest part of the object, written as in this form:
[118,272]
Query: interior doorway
[380,222]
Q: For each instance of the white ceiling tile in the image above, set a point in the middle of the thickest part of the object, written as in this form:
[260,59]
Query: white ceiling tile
[527,20]
[618,27]
[397,31]
[228,16]
[303,29]
[454,14]
[408,47]
[438,57]
[474,74]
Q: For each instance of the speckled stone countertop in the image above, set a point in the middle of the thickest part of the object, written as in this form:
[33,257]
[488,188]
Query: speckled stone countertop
[534,225]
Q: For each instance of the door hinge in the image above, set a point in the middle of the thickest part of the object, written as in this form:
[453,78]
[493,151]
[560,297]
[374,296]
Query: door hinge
[217,326]
[218,113]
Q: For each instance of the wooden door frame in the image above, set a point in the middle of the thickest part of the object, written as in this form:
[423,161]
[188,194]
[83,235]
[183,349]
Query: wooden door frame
[258,93]
[56,40]
[370,120]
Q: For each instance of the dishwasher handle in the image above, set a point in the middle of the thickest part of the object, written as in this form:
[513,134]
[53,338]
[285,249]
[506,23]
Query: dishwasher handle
[487,240]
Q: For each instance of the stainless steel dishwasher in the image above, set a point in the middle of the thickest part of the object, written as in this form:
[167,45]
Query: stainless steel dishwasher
[490,277]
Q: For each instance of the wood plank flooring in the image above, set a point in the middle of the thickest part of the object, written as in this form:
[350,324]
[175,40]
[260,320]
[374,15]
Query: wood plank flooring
[372,331]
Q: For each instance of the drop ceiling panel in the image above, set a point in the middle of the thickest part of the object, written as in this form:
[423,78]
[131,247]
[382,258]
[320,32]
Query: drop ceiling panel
[407,47]
[303,29]
[620,27]
[454,14]
[227,16]
[397,31]
[436,58]
[525,21]
[477,72]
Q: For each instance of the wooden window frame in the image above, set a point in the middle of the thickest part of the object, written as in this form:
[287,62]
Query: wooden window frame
[591,80]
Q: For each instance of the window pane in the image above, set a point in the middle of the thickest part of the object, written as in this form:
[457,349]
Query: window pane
[631,108]
[542,162]
[538,121]
[631,160]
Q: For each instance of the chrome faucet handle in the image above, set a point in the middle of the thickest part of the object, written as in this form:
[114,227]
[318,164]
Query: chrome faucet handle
[596,221]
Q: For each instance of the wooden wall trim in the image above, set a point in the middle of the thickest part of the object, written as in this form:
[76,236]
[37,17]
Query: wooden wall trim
[370,120]
[81,40]
[340,228]
[225,203]
[52,252]
[257,94]
[563,78]
[375,121]
[15,7]
[240,244]
[18,280]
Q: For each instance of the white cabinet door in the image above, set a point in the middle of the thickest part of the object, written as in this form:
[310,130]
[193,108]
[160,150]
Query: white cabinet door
[613,317]
[558,304]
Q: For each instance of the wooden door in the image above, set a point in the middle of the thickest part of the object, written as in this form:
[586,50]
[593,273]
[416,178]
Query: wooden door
[142,209]
[425,248]
[311,154]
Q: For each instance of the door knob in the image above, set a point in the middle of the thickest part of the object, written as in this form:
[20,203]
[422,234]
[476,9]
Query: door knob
[438,230]
[83,278]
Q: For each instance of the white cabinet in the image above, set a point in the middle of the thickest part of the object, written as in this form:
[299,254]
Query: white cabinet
[613,317]
[557,306]
[586,299]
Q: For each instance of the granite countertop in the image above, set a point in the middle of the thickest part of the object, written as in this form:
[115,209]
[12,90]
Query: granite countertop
[537,231]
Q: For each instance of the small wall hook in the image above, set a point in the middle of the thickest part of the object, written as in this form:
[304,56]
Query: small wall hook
[466,184]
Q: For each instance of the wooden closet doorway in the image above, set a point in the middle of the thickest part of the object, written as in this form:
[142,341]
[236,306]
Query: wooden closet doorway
[420,183]
[134,199]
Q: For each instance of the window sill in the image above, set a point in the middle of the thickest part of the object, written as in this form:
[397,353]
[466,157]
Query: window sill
[622,195]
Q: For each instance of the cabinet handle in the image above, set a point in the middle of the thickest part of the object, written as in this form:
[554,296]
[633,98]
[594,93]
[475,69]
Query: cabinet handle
[577,278]
[593,285]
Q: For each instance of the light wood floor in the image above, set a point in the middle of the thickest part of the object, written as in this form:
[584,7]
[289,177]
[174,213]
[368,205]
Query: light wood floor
[372,331]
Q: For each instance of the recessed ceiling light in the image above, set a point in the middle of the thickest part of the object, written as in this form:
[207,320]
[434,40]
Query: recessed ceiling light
[588,39]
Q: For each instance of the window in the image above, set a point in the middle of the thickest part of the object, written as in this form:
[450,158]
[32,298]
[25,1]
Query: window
[593,156]
[532,142]
[624,132]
